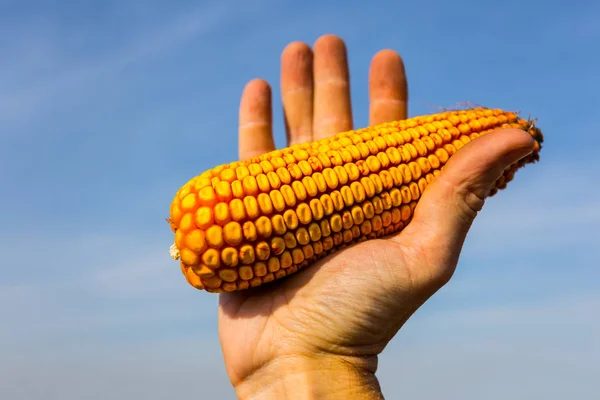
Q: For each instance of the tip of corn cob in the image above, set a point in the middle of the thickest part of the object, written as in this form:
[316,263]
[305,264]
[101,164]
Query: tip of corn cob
[246,223]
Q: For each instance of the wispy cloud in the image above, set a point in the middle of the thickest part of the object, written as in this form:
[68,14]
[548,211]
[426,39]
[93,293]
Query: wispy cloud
[75,78]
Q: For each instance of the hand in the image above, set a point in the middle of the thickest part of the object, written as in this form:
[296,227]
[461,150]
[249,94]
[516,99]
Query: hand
[318,333]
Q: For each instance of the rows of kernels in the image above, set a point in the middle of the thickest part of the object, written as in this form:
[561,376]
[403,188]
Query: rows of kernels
[315,190]
[304,252]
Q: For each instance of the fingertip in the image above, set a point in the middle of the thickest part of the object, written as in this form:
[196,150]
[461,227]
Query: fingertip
[388,88]
[256,101]
[388,57]
[257,87]
[329,41]
[295,49]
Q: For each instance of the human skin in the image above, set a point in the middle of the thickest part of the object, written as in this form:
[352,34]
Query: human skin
[317,334]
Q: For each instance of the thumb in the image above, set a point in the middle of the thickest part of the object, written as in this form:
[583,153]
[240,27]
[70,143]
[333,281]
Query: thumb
[449,205]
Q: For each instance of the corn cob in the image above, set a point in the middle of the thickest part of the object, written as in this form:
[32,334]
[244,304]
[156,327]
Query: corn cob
[250,222]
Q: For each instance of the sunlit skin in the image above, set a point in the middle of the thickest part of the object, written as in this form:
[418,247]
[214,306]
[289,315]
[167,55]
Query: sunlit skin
[319,331]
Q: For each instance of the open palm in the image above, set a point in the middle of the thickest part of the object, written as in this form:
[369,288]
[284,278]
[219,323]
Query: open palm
[352,303]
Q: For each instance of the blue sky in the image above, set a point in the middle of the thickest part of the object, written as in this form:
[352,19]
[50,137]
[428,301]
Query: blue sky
[107,107]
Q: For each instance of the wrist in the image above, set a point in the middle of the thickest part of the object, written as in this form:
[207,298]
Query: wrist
[319,377]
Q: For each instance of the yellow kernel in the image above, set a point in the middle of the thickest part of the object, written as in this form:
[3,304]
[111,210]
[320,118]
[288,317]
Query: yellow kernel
[195,241]
[386,219]
[308,251]
[228,274]
[246,272]
[302,236]
[305,168]
[304,213]
[396,197]
[273,264]
[352,170]
[299,190]
[263,251]
[229,256]
[386,200]
[274,180]
[337,200]
[260,269]
[284,175]
[310,186]
[347,195]
[326,204]
[377,204]
[214,236]
[277,200]
[285,260]
[228,175]
[247,254]
[203,271]
[336,223]
[373,163]
[316,209]
[288,195]
[405,212]
[189,202]
[187,223]
[290,240]
[264,203]
[203,217]
[188,257]
[327,243]
[376,182]
[237,210]
[277,245]
[297,256]
[347,220]
[414,190]
[358,192]
[368,185]
[263,226]
[341,174]
[250,186]
[291,219]
[325,229]
[255,169]
[207,197]
[249,231]
[263,183]
[179,238]
[278,224]
[357,215]
[212,258]
[314,231]
[347,236]
[295,171]
[415,170]
[223,190]
[365,227]
[242,172]
[221,214]
[368,209]
[396,215]
[331,178]
[406,173]
[251,206]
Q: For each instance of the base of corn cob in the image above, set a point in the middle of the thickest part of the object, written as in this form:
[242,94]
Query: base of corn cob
[250,222]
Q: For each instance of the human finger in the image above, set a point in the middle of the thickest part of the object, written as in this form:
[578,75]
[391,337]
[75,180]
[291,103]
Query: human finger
[332,107]
[297,91]
[255,120]
[388,88]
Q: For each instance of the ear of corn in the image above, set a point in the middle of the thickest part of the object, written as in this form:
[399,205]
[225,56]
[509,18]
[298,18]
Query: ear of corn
[250,222]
